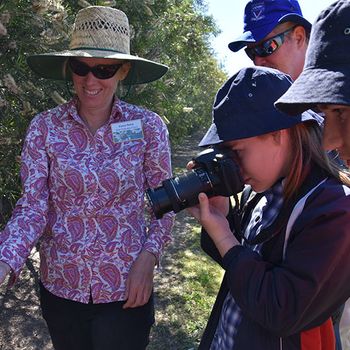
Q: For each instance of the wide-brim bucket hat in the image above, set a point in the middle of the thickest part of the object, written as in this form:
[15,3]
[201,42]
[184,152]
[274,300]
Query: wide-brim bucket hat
[98,32]
[325,78]
[262,17]
[244,106]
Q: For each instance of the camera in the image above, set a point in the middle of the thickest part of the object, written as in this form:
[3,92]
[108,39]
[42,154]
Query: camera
[215,173]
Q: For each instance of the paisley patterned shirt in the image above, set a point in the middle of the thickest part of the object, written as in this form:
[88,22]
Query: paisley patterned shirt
[83,196]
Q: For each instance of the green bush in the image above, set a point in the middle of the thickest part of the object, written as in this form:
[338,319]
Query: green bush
[176,33]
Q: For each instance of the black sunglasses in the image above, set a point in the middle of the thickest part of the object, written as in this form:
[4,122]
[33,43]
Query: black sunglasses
[267,47]
[100,71]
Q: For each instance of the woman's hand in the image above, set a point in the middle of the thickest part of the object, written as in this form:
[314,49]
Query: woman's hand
[211,213]
[139,284]
[4,271]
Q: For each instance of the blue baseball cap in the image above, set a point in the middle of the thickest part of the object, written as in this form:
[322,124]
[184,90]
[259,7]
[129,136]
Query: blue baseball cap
[262,16]
[244,106]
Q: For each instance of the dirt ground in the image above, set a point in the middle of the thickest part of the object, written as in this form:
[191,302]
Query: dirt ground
[21,324]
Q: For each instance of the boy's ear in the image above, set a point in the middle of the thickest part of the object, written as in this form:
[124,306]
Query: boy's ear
[300,35]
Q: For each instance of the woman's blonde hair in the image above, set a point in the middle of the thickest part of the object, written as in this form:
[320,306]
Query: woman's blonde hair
[306,139]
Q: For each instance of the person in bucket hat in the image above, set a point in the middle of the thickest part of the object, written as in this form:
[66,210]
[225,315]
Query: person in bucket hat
[284,263]
[325,85]
[275,35]
[325,81]
[85,167]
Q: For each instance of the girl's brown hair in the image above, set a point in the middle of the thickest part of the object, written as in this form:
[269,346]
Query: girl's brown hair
[306,140]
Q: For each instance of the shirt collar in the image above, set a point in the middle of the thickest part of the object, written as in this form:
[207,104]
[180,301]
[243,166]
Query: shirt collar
[116,113]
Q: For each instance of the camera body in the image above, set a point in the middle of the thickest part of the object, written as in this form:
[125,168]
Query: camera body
[215,174]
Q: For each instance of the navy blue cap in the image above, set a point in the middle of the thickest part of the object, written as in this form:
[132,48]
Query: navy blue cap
[244,106]
[262,16]
[326,75]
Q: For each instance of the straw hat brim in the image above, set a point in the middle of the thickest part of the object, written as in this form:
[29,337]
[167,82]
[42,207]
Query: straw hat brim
[52,65]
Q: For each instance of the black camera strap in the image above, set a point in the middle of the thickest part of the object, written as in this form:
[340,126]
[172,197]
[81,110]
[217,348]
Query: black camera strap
[236,216]
[241,214]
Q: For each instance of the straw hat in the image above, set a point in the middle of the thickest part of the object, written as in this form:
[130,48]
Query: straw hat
[100,32]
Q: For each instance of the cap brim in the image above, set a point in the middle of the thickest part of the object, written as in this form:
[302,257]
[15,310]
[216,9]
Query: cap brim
[250,37]
[211,137]
[313,87]
[242,41]
[52,65]
[310,115]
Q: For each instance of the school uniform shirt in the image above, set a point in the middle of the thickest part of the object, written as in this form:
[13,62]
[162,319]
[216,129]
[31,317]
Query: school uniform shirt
[263,215]
[83,196]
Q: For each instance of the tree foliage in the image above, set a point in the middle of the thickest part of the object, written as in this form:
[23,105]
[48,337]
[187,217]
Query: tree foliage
[174,32]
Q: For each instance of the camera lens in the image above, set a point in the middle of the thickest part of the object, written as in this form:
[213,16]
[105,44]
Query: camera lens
[216,174]
[159,200]
[179,192]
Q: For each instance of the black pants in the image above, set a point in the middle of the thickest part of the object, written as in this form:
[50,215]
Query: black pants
[77,326]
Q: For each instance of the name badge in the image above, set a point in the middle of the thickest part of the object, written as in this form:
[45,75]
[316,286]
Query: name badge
[127,131]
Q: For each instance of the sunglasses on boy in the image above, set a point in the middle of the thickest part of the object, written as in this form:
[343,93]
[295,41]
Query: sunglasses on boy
[267,47]
[100,71]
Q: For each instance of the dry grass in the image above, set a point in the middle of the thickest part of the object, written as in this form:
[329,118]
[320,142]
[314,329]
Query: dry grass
[185,290]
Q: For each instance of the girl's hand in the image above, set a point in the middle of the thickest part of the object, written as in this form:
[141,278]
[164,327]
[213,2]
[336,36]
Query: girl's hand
[211,213]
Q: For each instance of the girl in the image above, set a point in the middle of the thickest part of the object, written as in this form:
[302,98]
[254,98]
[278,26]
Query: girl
[286,263]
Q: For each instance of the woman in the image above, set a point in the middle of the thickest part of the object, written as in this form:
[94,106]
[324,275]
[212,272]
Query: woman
[85,167]
[286,262]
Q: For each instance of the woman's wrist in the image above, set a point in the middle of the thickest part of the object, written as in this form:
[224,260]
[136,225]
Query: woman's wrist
[150,255]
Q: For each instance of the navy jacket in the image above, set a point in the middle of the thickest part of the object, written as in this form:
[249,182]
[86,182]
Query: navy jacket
[298,281]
